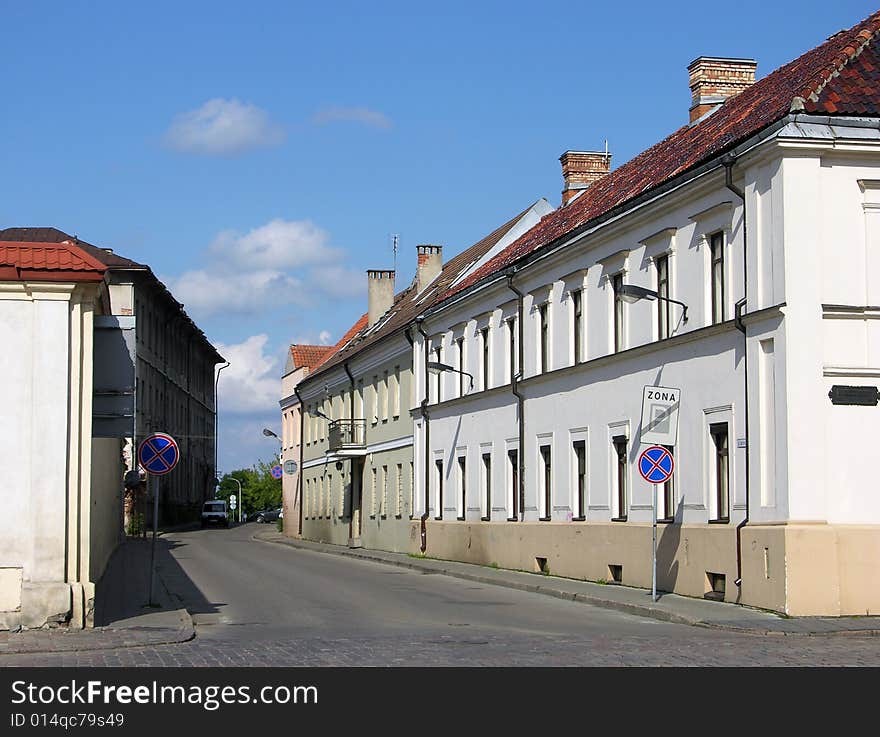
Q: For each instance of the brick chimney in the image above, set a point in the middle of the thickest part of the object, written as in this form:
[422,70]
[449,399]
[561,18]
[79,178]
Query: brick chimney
[380,294]
[429,265]
[714,80]
[580,169]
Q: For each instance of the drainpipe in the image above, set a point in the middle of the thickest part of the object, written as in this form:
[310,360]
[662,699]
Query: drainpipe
[423,410]
[299,475]
[521,401]
[352,464]
[728,163]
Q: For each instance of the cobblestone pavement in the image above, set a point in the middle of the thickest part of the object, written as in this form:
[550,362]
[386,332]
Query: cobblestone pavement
[481,648]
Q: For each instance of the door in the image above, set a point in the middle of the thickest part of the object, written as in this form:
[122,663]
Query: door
[354,522]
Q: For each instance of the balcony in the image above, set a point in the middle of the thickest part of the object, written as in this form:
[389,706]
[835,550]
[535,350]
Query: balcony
[348,437]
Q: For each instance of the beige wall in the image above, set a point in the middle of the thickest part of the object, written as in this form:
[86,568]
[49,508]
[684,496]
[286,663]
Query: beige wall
[106,499]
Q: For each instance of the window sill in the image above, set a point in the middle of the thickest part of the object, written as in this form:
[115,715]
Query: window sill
[720,521]
[618,519]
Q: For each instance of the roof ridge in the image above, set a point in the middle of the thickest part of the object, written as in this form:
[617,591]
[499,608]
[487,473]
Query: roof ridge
[855,46]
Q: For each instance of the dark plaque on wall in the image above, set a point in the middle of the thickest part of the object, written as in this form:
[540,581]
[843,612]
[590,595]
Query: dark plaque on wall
[865,396]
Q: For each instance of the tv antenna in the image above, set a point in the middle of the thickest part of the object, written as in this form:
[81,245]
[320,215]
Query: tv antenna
[394,240]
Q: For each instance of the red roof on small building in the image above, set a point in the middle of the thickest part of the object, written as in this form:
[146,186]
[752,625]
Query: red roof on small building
[308,356]
[840,77]
[20,261]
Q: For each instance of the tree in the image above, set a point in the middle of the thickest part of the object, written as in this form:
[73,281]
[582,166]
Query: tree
[259,489]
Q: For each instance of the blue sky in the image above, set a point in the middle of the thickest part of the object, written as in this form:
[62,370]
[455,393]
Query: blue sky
[260,155]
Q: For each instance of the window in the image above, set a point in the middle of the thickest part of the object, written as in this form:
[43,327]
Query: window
[374,403]
[577,326]
[487,485]
[484,366]
[438,382]
[511,347]
[438,479]
[513,465]
[395,395]
[383,509]
[619,314]
[580,467]
[716,249]
[459,342]
[668,490]
[619,443]
[373,494]
[383,397]
[398,509]
[329,499]
[544,337]
[546,481]
[359,401]
[663,305]
[718,431]
[412,488]
[462,487]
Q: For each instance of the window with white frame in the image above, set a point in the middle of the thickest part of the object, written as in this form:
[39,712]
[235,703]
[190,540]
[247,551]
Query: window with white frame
[383,510]
[716,276]
[513,482]
[438,381]
[619,313]
[664,325]
[460,356]
[545,479]
[395,395]
[398,505]
[620,477]
[511,348]
[485,382]
[544,337]
[720,467]
[579,458]
[374,401]
[487,484]
[577,326]
[462,487]
[438,487]
[373,493]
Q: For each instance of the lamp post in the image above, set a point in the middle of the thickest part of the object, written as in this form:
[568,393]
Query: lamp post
[436,368]
[240,500]
[630,293]
[269,434]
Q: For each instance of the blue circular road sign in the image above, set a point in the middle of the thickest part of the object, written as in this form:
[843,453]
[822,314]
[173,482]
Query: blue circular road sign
[158,453]
[656,464]
[277,472]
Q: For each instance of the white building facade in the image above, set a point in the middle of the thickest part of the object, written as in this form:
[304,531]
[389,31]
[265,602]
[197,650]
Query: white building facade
[770,242]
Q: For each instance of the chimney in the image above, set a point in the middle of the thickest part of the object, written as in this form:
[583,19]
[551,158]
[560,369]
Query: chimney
[380,294]
[429,265]
[580,169]
[714,80]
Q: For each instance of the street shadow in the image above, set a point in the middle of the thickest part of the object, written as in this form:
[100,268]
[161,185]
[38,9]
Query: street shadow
[668,542]
[123,592]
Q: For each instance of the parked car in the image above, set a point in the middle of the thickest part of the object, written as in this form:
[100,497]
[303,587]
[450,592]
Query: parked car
[214,513]
[268,515]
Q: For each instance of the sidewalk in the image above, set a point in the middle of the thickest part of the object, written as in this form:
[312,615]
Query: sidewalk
[669,608]
[122,616]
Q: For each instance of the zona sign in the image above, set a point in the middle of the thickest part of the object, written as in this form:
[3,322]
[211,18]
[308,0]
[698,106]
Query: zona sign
[656,464]
[158,453]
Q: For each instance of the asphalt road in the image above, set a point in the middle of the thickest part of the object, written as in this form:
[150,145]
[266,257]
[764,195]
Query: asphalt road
[256,603]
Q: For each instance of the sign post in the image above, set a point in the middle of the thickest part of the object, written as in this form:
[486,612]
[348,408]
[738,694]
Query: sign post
[158,454]
[656,465]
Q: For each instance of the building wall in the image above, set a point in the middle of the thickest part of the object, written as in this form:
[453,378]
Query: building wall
[290,449]
[49,557]
[327,477]
[810,324]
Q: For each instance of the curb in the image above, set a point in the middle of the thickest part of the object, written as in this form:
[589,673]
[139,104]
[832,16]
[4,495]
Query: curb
[436,566]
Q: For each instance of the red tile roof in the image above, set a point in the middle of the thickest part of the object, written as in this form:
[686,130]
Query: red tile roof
[839,77]
[309,356]
[408,304]
[343,341]
[47,262]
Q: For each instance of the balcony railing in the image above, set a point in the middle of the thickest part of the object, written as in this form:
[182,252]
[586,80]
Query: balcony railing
[348,435]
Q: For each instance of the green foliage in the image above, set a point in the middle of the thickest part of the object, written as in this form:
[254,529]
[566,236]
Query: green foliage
[136,524]
[259,490]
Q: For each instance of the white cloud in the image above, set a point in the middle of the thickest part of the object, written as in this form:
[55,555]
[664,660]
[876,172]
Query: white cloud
[363,115]
[223,127]
[338,281]
[207,292]
[252,382]
[279,244]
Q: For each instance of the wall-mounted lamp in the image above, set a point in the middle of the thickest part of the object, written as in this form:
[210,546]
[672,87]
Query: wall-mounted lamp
[630,293]
[436,368]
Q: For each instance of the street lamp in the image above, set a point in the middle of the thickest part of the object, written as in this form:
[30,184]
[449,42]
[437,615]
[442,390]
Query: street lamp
[269,434]
[436,368]
[240,500]
[630,293]
[315,412]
